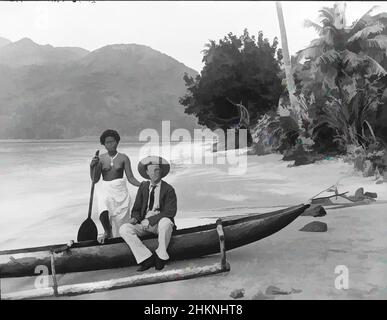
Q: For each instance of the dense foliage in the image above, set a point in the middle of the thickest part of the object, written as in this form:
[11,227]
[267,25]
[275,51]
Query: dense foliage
[343,79]
[340,89]
[240,69]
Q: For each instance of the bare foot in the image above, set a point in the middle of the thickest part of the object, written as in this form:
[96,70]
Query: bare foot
[106,235]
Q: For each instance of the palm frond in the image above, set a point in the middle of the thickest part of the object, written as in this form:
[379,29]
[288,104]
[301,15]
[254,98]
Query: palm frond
[314,50]
[362,22]
[327,15]
[310,24]
[378,42]
[328,57]
[330,28]
[375,67]
[309,53]
[339,10]
[380,16]
[321,42]
[351,59]
[364,33]
[329,35]
[371,130]
[354,61]
[372,102]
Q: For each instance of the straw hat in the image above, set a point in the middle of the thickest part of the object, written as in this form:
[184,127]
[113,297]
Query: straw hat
[164,166]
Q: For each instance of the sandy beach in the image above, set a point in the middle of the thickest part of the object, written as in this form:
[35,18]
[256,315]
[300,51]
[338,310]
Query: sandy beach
[303,263]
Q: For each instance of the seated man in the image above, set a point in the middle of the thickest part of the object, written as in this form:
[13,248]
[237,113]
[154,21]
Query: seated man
[153,212]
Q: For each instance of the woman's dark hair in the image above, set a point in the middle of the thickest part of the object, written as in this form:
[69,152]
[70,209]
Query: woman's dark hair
[109,133]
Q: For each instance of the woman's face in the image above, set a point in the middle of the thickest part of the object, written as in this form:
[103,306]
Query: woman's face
[110,144]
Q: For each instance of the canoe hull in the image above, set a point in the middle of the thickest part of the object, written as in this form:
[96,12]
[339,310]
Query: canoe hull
[185,244]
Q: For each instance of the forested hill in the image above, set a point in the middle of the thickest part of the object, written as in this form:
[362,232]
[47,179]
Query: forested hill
[51,92]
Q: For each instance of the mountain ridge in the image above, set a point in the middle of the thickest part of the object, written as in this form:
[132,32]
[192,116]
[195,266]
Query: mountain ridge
[4,41]
[129,87]
[26,52]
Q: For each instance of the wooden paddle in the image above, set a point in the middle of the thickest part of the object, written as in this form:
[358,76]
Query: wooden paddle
[88,229]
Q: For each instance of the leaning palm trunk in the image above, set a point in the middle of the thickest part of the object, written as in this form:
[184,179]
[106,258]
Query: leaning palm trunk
[294,106]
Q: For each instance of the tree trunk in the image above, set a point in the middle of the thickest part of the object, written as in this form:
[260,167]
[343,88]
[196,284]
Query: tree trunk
[287,62]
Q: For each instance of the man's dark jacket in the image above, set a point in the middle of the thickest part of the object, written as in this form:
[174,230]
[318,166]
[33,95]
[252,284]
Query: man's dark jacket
[168,203]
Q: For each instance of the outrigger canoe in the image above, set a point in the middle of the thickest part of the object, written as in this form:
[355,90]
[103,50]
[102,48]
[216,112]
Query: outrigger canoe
[186,243]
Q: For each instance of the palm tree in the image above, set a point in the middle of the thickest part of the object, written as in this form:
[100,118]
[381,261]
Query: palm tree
[347,48]
[349,57]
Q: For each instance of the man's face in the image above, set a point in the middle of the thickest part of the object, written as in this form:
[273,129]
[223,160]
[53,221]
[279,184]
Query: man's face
[110,144]
[154,172]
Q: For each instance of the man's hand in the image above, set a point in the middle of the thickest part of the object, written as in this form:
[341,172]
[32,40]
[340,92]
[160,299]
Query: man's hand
[132,221]
[145,223]
[153,212]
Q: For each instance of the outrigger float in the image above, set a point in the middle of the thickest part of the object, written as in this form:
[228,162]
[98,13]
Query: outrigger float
[226,234]
[341,200]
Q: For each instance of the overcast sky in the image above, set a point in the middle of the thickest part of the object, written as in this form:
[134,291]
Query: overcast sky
[179,29]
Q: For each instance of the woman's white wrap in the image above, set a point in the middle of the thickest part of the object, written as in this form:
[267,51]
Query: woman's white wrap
[114,197]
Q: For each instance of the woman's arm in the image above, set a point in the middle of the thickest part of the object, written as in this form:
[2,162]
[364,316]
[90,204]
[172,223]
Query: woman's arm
[129,173]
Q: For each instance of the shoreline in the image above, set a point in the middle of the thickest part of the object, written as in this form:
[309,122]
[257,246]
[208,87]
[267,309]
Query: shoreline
[124,139]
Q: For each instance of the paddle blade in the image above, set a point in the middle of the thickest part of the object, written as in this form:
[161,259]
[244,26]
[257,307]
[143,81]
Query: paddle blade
[87,231]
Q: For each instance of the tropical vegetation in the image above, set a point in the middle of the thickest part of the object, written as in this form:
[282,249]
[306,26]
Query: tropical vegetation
[342,78]
[240,70]
[336,105]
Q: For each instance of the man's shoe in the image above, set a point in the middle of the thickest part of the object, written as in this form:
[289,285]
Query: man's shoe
[147,264]
[159,263]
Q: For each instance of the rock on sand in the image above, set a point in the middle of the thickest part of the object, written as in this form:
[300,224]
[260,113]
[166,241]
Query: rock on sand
[315,211]
[237,293]
[315,226]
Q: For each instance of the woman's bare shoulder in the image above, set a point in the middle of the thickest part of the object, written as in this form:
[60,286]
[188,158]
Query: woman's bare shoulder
[123,156]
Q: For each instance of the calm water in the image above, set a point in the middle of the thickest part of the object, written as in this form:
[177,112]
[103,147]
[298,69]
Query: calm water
[45,187]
